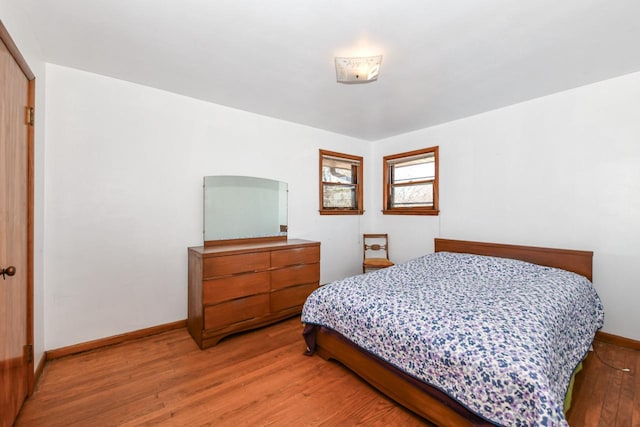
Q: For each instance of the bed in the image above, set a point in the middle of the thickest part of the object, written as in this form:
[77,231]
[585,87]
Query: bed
[487,334]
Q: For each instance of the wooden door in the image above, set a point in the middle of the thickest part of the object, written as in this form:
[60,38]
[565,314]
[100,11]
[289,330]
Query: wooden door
[16,213]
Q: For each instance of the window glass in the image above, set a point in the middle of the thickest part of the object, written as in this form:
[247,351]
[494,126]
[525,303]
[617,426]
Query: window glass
[419,195]
[339,171]
[415,170]
[339,197]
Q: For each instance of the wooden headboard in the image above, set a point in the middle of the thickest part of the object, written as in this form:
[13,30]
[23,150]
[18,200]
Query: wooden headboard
[580,262]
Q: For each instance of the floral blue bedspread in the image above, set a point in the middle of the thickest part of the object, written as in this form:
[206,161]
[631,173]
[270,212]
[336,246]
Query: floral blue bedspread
[500,336]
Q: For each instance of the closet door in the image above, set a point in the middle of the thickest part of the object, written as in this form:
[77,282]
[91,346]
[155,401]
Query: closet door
[16,350]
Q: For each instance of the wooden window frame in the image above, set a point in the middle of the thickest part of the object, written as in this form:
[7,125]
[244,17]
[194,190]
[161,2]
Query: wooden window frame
[387,185]
[359,210]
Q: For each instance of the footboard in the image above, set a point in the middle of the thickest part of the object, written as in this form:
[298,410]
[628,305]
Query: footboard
[414,395]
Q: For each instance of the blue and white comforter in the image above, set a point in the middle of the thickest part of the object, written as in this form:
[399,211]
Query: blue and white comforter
[500,336]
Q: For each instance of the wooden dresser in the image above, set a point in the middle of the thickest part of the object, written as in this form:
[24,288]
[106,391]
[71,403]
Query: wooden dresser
[237,287]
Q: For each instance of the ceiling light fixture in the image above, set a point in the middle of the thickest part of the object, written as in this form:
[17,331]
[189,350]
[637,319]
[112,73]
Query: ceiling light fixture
[358,69]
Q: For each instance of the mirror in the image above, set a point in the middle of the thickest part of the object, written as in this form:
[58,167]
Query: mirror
[241,207]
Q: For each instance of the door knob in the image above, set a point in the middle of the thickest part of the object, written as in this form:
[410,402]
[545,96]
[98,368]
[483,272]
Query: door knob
[9,271]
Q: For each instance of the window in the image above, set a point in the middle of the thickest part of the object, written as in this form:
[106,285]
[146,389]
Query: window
[411,183]
[340,184]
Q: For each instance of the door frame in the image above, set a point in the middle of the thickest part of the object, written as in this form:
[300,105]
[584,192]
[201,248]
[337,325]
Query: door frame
[22,63]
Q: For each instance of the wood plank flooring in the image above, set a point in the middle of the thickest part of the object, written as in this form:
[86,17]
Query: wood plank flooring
[605,396]
[262,378]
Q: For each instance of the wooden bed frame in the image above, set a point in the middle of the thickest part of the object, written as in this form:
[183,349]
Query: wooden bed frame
[411,393]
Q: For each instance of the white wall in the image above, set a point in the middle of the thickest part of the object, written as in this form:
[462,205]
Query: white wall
[123,200]
[18,25]
[559,171]
[124,197]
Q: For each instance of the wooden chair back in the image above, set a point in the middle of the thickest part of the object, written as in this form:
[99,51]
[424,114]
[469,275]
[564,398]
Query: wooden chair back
[375,251]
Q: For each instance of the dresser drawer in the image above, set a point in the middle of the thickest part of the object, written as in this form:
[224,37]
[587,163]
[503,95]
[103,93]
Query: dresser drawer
[295,256]
[227,313]
[291,297]
[296,275]
[234,264]
[232,287]
[242,284]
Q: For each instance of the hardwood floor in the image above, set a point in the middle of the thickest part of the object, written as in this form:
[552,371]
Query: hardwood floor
[262,378]
[257,378]
[605,396]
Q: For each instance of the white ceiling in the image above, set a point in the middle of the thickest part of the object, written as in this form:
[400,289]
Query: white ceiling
[443,60]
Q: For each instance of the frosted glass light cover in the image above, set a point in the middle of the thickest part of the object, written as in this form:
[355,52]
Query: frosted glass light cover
[358,70]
